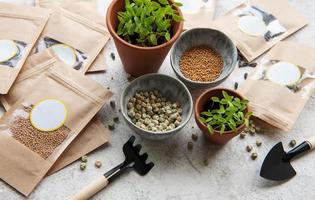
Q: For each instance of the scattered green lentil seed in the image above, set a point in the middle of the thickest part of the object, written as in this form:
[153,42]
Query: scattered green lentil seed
[116,119]
[206,162]
[254,156]
[82,166]
[235,85]
[245,76]
[112,55]
[112,104]
[190,146]
[249,148]
[111,126]
[292,143]
[258,143]
[84,159]
[98,164]
[242,135]
[194,137]
[253,64]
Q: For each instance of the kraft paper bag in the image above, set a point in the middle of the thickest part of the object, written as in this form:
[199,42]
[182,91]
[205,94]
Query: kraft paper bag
[282,84]
[88,10]
[198,13]
[91,137]
[75,39]
[257,26]
[20,27]
[28,130]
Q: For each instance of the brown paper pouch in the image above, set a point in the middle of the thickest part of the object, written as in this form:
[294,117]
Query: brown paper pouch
[281,20]
[86,9]
[20,27]
[70,34]
[90,138]
[197,13]
[25,161]
[274,103]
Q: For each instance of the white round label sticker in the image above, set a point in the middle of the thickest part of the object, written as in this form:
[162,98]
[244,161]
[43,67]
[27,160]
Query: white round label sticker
[8,50]
[48,115]
[252,25]
[65,53]
[284,73]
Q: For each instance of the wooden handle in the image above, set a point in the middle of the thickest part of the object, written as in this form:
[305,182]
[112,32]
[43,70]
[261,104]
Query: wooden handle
[311,141]
[92,189]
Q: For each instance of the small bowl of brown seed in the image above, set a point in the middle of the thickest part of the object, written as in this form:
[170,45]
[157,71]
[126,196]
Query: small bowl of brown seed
[156,106]
[203,57]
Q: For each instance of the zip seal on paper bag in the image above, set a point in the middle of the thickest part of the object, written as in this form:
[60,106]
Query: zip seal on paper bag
[282,84]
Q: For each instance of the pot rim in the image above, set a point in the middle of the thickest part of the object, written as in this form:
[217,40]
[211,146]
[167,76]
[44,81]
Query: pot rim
[116,36]
[197,114]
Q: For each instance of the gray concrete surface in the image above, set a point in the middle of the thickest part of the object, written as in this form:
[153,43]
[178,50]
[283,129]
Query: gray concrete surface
[180,174]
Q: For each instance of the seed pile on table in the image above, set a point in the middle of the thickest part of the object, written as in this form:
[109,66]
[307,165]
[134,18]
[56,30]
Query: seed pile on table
[42,143]
[201,64]
[149,110]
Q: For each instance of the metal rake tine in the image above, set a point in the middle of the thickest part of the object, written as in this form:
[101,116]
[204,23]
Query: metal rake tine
[144,156]
[150,165]
[131,140]
[138,147]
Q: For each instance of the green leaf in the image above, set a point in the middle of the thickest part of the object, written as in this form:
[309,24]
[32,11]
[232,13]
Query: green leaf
[226,95]
[167,36]
[210,129]
[222,129]
[178,18]
[153,39]
[221,110]
[215,99]
[163,2]
[209,119]
[178,4]
[203,120]
[206,113]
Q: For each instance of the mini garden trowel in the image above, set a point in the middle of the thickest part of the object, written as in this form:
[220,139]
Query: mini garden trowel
[276,165]
[132,160]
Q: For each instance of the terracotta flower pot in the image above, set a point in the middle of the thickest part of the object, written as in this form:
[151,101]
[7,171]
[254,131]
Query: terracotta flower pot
[200,106]
[135,59]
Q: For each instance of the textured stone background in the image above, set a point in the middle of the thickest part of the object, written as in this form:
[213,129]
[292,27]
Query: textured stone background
[180,174]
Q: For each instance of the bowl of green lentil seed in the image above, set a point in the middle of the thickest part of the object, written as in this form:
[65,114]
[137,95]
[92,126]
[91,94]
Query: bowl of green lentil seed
[156,106]
[203,57]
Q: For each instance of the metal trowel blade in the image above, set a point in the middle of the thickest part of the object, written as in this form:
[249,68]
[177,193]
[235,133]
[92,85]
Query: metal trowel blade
[275,167]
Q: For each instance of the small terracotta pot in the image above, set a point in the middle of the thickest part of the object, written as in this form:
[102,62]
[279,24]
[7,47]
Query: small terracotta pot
[200,106]
[139,60]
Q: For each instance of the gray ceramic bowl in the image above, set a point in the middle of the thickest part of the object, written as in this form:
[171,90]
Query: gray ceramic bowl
[216,40]
[171,88]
